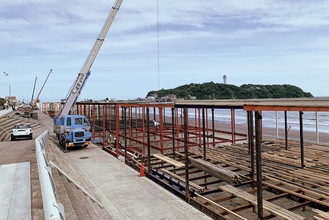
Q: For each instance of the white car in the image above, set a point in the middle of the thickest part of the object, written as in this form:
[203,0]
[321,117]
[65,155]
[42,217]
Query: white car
[21,131]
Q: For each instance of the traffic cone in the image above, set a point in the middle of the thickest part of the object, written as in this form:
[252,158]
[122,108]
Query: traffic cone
[141,170]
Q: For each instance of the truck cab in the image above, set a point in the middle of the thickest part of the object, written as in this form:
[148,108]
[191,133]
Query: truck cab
[73,130]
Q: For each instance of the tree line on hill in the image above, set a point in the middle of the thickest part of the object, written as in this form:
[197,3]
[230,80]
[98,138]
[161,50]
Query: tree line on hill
[211,90]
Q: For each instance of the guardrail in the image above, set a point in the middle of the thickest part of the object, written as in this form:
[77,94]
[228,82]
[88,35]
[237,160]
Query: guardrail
[52,209]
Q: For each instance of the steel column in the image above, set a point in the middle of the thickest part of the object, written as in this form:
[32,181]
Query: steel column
[286,129]
[258,121]
[161,128]
[125,130]
[251,145]
[187,196]
[233,125]
[301,139]
[148,140]
[204,134]
[117,128]
[104,124]
[213,126]
[173,129]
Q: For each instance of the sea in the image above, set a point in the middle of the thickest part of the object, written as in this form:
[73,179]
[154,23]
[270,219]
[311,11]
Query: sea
[312,121]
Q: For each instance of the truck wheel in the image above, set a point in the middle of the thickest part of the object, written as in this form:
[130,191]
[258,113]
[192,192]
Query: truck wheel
[62,143]
[12,138]
[30,136]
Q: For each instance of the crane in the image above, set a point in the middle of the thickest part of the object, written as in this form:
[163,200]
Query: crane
[84,73]
[35,82]
[74,130]
[37,98]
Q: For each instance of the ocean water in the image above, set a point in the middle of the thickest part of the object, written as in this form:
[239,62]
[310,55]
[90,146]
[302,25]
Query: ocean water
[271,118]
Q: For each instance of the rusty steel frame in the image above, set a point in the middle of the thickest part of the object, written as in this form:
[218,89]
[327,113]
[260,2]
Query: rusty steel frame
[182,133]
[108,123]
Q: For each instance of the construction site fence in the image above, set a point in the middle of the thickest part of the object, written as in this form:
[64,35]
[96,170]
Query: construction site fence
[52,209]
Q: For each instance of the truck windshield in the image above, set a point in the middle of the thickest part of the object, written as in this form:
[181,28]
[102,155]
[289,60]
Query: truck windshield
[78,121]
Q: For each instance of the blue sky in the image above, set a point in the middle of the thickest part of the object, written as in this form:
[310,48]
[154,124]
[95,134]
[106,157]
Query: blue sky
[252,42]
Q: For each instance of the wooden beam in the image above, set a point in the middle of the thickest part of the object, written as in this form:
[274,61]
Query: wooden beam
[297,194]
[285,108]
[219,206]
[275,209]
[321,214]
[217,171]
[169,160]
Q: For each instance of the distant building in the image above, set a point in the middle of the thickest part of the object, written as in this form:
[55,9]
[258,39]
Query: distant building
[51,108]
[224,79]
[11,100]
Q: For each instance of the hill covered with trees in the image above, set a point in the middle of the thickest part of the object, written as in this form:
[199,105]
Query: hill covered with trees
[211,90]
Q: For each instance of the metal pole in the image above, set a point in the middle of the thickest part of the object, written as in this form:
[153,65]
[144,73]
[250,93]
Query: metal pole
[125,130]
[204,134]
[103,125]
[317,127]
[248,132]
[252,147]
[173,129]
[187,196]
[204,140]
[276,124]
[301,139]
[35,82]
[161,128]
[286,129]
[148,140]
[258,121]
[213,126]
[233,125]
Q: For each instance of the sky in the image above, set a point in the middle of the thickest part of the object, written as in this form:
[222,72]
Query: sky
[162,44]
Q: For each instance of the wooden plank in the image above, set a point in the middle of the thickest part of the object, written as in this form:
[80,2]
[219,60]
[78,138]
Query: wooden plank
[219,206]
[275,209]
[297,194]
[193,185]
[169,160]
[321,214]
[299,188]
[216,171]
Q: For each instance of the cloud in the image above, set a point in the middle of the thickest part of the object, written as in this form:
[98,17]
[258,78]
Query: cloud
[193,41]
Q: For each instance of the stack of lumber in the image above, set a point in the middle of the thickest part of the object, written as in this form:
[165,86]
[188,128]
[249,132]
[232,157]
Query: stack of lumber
[218,171]
[275,209]
[321,215]
[169,160]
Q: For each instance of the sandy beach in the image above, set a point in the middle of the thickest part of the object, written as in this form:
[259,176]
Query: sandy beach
[309,137]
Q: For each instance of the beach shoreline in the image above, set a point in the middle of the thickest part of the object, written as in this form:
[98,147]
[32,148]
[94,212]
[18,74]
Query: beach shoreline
[268,133]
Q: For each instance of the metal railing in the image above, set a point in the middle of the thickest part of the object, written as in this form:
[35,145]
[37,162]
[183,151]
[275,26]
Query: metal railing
[52,209]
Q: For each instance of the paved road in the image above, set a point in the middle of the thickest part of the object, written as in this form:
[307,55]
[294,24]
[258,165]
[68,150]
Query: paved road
[24,151]
[123,194]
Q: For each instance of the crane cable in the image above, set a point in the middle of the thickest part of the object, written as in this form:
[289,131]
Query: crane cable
[158,44]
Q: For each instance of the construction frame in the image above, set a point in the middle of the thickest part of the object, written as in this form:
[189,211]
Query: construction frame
[211,168]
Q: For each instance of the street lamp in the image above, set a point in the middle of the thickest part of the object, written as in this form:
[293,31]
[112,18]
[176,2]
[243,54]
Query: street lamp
[6,75]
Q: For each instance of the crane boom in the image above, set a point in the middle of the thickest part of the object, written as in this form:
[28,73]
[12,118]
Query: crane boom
[37,98]
[85,70]
[35,82]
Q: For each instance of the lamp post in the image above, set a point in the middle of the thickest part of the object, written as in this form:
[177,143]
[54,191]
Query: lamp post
[6,84]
